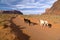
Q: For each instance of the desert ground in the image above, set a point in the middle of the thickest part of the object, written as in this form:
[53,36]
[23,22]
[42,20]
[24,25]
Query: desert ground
[20,30]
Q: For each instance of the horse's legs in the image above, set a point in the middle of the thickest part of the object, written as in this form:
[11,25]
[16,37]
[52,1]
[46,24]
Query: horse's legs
[29,23]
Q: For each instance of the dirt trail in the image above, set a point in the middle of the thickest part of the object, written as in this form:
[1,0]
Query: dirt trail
[36,32]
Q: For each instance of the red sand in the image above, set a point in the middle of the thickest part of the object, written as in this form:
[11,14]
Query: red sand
[36,32]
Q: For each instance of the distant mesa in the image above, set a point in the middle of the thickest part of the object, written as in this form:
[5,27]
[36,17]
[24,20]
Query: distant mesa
[11,12]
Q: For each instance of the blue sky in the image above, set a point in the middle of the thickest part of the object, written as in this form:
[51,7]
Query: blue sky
[26,6]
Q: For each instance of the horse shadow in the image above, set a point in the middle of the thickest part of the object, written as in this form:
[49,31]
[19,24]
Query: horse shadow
[16,30]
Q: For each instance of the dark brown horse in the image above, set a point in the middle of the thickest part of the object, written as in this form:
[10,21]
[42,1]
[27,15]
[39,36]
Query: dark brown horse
[49,25]
[28,21]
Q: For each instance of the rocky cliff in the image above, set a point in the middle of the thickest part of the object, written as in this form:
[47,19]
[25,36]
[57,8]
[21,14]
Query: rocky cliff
[55,9]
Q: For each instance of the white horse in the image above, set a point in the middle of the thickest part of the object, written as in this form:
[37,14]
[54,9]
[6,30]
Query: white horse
[43,23]
[46,23]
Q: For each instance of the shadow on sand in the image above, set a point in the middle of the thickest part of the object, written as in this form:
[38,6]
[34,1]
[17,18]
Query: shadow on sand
[16,30]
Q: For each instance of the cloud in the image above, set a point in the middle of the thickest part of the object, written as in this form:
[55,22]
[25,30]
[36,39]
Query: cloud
[28,6]
[35,5]
[32,11]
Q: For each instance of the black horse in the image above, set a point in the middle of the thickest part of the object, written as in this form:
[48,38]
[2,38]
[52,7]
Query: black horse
[28,21]
[49,25]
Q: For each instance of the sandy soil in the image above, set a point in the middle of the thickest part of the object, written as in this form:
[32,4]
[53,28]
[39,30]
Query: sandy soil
[36,32]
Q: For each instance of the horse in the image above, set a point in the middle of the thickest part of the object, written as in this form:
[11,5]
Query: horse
[27,21]
[49,25]
[43,23]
